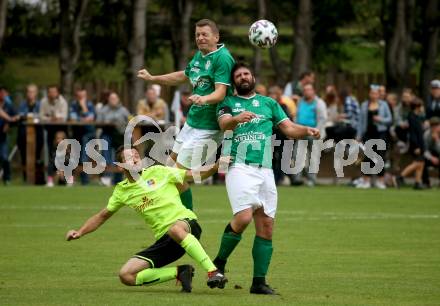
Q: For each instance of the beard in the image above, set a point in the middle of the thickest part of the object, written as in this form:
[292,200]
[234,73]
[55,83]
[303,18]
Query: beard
[245,87]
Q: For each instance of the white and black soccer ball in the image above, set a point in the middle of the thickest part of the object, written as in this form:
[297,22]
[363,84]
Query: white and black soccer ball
[263,34]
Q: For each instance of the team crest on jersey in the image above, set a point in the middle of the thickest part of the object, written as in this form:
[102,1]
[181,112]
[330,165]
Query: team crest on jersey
[207,65]
[255,103]
[196,63]
[237,104]
[151,182]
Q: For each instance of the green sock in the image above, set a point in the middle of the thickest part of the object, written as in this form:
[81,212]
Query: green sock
[262,253]
[230,239]
[155,276]
[194,249]
[187,198]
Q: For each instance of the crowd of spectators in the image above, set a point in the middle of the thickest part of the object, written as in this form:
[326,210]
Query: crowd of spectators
[409,126]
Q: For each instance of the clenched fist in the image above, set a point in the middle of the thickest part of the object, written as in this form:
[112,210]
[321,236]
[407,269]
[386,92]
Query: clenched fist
[72,235]
[144,74]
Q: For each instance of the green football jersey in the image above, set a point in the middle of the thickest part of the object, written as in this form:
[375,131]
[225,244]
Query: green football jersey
[204,71]
[251,141]
[154,196]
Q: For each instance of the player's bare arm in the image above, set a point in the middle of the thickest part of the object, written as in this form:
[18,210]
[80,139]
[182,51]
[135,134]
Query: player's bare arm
[90,225]
[295,131]
[218,95]
[170,79]
[206,171]
[229,122]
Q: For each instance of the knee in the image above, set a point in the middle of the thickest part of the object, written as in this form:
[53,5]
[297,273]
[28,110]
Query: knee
[127,278]
[265,229]
[239,224]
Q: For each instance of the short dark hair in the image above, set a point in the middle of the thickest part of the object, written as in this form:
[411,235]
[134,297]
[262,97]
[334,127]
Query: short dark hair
[53,86]
[119,154]
[209,23]
[305,74]
[239,65]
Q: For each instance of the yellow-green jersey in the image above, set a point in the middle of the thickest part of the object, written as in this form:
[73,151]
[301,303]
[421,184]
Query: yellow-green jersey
[155,197]
[251,141]
[204,71]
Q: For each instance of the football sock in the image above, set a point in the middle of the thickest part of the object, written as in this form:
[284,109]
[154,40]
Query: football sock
[187,199]
[194,249]
[150,277]
[261,253]
[229,241]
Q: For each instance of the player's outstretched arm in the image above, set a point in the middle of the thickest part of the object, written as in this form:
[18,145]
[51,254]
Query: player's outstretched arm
[295,131]
[217,96]
[90,225]
[206,171]
[170,79]
[229,122]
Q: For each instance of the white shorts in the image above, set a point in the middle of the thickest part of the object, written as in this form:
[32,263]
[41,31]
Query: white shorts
[251,187]
[195,146]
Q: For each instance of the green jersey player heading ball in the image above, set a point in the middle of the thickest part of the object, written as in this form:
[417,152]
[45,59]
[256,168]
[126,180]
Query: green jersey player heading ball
[250,181]
[209,72]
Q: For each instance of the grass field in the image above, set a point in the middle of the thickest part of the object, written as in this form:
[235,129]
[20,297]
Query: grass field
[333,246]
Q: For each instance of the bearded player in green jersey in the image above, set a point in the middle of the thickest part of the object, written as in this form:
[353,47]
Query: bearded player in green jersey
[209,72]
[249,181]
[152,193]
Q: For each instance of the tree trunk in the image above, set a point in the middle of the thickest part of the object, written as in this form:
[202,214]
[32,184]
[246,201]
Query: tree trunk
[71,16]
[257,51]
[136,51]
[430,32]
[3,13]
[180,32]
[302,39]
[398,43]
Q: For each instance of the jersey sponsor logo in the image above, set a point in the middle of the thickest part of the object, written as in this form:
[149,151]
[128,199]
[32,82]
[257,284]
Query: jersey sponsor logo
[249,137]
[145,203]
[195,69]
[200,82]
[238,104]
[238,110]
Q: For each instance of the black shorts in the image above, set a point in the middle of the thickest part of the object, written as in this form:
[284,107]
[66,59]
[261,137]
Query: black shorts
[165,250]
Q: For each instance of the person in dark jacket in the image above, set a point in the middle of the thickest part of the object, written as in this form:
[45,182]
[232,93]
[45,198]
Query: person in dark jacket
[416,145]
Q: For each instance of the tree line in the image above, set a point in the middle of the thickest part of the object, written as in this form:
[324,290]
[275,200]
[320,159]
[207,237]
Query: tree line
[84,32]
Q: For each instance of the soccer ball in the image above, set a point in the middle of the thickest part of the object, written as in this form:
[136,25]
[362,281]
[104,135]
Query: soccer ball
[263,34]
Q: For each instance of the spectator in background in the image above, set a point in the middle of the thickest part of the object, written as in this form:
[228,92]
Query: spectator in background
[261,89]
[351,113]
[83,110]
[401,125]
[336,126]
[431,139]
[53,108]
[289,108]
[433,104]
[295,90]
[103,99]
[416,145]
[28,111]
[185,104]
[382,92]
[113,113]
[7,116]
[6,97]
[57,176]
[374,123]
[311,112]
[153,106]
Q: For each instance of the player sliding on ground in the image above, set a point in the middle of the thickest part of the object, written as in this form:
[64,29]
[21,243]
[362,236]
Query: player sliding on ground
[209,72]
[153,194]
[250,182]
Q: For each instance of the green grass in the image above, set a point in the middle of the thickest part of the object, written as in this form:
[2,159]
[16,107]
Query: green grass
[333,246]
